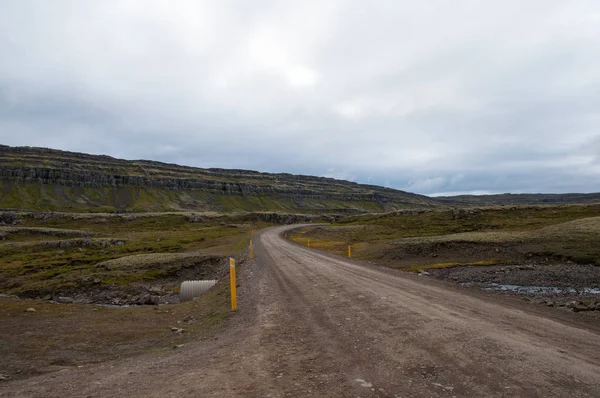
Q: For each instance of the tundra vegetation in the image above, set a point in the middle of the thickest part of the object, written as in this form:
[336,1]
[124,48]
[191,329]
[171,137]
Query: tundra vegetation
[547,254]
[76,288]
[421,239]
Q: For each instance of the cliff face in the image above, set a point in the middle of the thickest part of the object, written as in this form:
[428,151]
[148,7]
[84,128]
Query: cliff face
[47,179]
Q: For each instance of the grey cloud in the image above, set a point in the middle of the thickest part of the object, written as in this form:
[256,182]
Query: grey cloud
[432,97]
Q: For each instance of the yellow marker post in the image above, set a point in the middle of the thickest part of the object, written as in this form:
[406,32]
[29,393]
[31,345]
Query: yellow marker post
[251,251]
[232,284]
[349,252]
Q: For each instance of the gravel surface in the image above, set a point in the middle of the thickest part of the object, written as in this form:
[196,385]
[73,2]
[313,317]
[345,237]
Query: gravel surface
[313,324]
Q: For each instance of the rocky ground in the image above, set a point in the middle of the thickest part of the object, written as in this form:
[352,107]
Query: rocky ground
[573,286]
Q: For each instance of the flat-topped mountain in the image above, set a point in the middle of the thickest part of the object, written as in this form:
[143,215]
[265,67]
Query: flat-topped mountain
[54,180]
[520,199]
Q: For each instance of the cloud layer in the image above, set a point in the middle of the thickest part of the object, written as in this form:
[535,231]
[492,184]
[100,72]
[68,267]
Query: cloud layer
[431,97]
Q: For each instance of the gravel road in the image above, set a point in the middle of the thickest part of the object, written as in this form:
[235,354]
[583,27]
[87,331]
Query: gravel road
[313,324]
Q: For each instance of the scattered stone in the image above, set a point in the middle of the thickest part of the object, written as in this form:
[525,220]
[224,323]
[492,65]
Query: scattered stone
[572,304]
[176,346]
[30,309]
[97,281]
[65,300]
[3,377]
[10,296]
[580,308]
[364,383]
[144,299]
[177,330]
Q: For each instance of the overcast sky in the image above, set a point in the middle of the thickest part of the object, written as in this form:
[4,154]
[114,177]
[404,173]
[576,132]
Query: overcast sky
[427,96]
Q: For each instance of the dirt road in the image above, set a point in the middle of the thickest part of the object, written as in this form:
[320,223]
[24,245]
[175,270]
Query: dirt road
[311,324]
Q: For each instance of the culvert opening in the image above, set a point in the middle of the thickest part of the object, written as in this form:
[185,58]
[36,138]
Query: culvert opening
[191,289]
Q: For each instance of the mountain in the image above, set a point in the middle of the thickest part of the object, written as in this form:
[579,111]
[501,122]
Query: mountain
[519,199]
[54,180]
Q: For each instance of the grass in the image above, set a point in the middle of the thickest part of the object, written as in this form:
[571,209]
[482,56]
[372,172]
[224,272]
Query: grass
[55,197]
[418,239]
[435,222]
[419,268]
[69,254]
[34,264]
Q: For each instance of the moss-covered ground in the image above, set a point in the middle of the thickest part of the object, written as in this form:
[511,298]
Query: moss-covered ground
[415,240]
[41,257]
[48,255]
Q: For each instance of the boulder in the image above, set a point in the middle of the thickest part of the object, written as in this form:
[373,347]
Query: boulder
[580,308]
[572,304]
[144,299]
[65,300]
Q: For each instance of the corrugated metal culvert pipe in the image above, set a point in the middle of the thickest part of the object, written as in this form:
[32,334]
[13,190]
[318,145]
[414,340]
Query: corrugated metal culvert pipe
[191,289]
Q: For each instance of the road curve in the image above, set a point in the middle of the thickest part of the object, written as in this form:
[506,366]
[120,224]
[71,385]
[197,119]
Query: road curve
[312,324]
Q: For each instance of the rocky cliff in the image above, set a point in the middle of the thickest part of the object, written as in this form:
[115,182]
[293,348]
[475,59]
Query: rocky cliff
[47,179]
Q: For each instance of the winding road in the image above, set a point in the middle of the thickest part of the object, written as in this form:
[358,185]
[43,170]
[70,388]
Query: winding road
[313,324]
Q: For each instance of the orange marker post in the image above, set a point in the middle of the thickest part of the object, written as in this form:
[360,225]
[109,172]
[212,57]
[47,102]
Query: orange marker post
[309,243]
[349,252]
[232,284]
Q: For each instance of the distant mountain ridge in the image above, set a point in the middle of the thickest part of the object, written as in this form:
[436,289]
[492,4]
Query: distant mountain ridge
[53,180]
[519,199]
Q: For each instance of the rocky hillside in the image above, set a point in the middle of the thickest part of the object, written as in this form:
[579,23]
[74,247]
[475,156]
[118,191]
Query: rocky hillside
[53,180]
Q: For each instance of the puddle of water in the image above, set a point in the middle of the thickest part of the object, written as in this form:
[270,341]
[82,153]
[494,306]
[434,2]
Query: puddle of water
[539,289]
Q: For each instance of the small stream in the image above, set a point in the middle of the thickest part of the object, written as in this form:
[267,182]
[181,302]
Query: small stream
[526,289]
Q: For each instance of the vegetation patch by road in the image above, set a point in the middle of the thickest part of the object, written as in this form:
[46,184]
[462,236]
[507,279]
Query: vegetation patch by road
[443,243]
[125,258]
[76,290]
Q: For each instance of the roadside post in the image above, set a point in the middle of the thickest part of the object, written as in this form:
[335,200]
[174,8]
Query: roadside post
[251,250]
[349,251]
[232,284]
[309,243]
